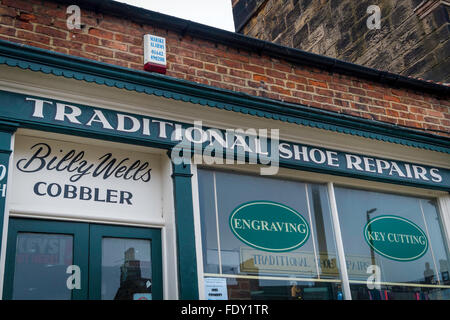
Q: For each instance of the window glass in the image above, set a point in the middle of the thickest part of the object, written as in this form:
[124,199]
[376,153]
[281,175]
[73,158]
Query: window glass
[395,242]
[126,269]
[40,266]
[208,221]
[246,219]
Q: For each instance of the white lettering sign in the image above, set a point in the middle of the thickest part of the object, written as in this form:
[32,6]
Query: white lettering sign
[76,179]
[154,52]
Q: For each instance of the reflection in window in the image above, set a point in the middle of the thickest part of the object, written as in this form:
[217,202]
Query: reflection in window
[126,269]
[224,253]
[424,276]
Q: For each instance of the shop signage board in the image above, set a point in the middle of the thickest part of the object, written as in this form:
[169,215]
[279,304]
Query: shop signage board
[269,226]
[155,53]
[68,179]
[38,112]
[216,288]
[396,238]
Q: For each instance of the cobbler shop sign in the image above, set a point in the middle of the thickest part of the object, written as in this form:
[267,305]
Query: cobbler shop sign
[54,115]
[66,177]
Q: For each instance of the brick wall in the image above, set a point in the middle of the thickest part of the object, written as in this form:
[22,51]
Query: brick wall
[119,41]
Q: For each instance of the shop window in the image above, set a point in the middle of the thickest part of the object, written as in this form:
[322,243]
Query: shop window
[401,238]
[269,238]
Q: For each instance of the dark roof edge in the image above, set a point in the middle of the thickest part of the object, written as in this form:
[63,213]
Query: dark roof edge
[239,41]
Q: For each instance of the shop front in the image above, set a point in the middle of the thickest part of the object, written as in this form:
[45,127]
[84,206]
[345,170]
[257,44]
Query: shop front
[98,204]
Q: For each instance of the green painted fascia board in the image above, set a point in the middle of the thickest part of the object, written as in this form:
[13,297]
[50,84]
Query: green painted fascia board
[58,64]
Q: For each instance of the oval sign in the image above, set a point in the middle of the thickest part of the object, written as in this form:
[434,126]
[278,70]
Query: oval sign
[396,238]
[269,226]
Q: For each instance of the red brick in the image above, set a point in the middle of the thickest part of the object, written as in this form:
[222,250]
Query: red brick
[99,51]
[324,92]
[240,74]
[222,70]
[84,38]
[323,99]
[7,21]
[258,77]
[206,57]
[7,31]
[136,50]
[101,33]
[27,17]
[210,67]
[280,90]
[234,80]
[83,54]
[181,52]
[345,96]
[18,4]
[67,44]
[111,26]
[435,114]
[193,63]
[128,57]
[276,74]
[253,68]
[361,107]
[290,85]
[23,25]
[128,39]
[298,79]
[391,98]
[236,57]
[432,120]
[114,45]
[377,110]
[374,94]
[282,67]
[7,11]
[359,91]
[230,63]
[401,107]
[318,83]
[115,61]
[392,113]
[338,87]
[342,103]
[54,12]
[51,32]
[209,75]
[33,37]
[222,85]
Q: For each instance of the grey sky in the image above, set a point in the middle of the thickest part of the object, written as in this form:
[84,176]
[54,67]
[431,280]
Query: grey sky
[216,13]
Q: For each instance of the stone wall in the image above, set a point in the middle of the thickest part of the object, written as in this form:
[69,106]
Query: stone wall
[413,39]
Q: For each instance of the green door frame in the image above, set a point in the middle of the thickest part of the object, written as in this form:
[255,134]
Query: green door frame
[97,232]
[87,246]
[80,233]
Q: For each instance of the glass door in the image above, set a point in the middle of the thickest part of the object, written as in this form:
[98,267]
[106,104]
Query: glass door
[46,260]
[51,260]
[124,263]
